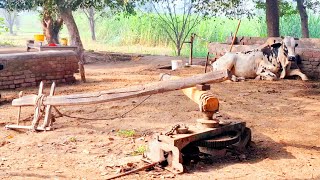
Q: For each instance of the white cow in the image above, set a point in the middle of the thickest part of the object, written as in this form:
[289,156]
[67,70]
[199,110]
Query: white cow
[262,63]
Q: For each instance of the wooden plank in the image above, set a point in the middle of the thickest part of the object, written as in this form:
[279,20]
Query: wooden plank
[57,48]
[47,118]
[27,127]
[128,92]
[19,110]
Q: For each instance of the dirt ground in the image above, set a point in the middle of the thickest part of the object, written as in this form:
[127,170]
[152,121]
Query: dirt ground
[283,116]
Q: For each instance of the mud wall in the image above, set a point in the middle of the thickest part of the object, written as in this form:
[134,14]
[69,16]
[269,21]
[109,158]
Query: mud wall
[307,50]
[28,69]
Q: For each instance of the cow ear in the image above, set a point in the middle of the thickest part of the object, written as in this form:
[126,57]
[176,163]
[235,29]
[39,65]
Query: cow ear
[276,45]
[296,45]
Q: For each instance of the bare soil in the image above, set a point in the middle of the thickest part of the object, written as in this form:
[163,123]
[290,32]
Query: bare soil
[283,116]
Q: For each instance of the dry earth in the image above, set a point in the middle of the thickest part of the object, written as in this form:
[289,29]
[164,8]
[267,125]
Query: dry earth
[283,115]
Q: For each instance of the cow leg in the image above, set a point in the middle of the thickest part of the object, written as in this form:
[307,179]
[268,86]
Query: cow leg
[264,74]
[297,72]
[237,79]
[285,68]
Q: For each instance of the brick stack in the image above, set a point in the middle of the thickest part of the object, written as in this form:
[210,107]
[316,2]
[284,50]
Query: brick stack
[303,42]
[310,63]
[310,56]
[28,69]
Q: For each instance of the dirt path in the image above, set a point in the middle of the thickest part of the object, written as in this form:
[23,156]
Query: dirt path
[283,115]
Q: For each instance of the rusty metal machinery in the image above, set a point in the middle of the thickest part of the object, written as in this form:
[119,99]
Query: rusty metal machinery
[208,135]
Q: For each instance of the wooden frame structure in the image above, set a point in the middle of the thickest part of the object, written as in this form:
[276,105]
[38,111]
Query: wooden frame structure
[47,122]
[40,100]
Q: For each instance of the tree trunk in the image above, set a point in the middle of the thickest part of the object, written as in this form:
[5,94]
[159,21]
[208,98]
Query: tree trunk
[10,17]
[92,23]
[272,17]
[304,18]
[47,26]
[51,27]
[66,15]
[178,50]
[11,29]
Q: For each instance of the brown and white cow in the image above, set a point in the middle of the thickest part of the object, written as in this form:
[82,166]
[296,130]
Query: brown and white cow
[263,63]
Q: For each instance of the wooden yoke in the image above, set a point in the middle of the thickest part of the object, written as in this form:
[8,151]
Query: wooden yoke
[206,102]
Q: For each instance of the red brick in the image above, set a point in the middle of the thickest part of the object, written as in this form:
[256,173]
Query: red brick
[20,77]
[18,81]
[30,80]
[316,54]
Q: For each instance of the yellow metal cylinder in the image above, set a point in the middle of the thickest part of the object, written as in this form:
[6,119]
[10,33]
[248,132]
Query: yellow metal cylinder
[64,41]
[39,37]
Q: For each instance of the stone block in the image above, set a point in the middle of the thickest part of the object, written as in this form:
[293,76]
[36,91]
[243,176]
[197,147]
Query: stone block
[26,84]
[7,82]
[20,77]
[18,81]
[30,80]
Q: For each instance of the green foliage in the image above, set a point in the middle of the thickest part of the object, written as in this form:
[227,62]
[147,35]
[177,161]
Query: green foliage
[286,8]
[19,5]
[73,139]
[126,133]
[3,27]
[232,9]
[139,151]
[143,31]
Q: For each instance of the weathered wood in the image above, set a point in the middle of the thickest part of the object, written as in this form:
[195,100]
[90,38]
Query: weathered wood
[36,116]
[206,100]
[235,36]
[48,115]
[127,92]
[27,127]
[19,110]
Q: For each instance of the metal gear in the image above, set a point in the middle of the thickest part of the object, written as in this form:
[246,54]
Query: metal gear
[220,141]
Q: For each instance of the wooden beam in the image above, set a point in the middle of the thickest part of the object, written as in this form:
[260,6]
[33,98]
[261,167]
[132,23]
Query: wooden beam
[127,92]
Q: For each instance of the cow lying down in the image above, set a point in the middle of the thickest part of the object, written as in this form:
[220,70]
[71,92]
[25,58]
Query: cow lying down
[263,63]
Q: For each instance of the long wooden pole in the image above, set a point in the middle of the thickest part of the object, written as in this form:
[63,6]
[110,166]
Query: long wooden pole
[132,171]
[125,93]
[191,49]
[235,35]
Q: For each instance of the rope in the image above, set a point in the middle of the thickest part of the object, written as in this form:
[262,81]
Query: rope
[39,100]
[60,114]
[174,128]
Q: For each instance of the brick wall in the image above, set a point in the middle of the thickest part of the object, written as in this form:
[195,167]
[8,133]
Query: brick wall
[310,57]
[28,69]
[303,42]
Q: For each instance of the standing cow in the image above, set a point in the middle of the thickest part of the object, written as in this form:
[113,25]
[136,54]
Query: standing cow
[263,63]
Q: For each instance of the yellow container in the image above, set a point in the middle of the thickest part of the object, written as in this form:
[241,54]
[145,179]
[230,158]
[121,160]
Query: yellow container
[39,37]
[64,41]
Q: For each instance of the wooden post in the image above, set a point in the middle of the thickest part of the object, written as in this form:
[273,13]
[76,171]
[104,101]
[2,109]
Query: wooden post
[207,62]
[19,111]
[235,35]
[47,117]
[82,72]
[191,48]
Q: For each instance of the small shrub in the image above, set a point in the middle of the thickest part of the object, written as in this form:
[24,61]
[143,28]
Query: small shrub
[139,151]
[126,133]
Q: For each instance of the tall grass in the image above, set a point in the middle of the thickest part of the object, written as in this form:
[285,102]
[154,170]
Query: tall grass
[142,33]
[145,30]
